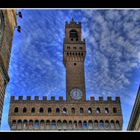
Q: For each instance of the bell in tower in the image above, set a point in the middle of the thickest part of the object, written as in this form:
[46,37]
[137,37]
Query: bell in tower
[73,57]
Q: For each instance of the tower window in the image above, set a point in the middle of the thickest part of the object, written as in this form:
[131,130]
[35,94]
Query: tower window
[16,110]
[68,47]
[81,48]
[73,34]
[71,39]
[82,54]
[74,64]
[76,39]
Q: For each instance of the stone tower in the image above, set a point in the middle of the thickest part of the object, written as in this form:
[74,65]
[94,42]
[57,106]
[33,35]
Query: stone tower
[7,26]
[74,56]
[74,113]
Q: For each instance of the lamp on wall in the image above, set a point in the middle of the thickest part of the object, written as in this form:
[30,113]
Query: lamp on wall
[18,28]
[19,14]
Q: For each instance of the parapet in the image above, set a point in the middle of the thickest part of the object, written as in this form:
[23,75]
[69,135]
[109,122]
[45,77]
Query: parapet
[36,98]
[44,98]
[109,99]
[73,23]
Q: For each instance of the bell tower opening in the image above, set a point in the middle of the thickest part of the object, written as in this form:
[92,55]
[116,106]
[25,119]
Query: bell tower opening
[73,35]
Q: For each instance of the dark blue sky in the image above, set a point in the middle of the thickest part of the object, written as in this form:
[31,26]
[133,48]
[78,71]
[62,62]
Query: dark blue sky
[112,65]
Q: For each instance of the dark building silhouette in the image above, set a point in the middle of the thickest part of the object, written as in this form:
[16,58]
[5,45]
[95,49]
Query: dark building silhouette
[7,25]
[134,122]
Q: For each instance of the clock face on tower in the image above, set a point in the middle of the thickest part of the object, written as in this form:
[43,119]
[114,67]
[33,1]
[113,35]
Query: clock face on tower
[76,94]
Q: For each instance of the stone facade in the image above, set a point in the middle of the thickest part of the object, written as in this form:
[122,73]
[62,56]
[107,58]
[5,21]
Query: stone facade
[134,122]
[59,114]
[74,113]
[7,25]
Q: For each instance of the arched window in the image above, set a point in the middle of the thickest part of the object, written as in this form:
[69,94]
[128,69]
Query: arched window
[42,124]
[70,126]
[85,125]
[112,124]
[57,110]
[49,110]
[59,124]
[32,110]
[53,124]
[14,124]
[75,124]
[80,124]
[73,110]
[73,34]
[90,124]
[81,110]
[114,110]
[106,110]
[36,124]
[24,110]
[16,110]
[96,124]
[98,110]
[64,110]
[89,111]
[1,27]
[30,124]
[106,124]
[117,124]
[25,124]
[48,124]
[64,124]
[41,110]
[19,124]
[101,124]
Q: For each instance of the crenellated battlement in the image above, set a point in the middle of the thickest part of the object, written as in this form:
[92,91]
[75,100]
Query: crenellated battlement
[73,23]
[44,98]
